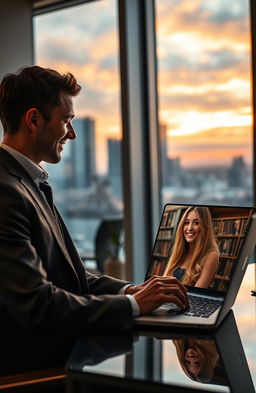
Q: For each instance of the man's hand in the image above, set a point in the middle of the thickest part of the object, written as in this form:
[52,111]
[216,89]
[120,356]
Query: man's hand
[156,291]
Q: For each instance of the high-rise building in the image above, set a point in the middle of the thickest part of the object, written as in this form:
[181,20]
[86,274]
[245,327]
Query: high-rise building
[83,153]
[238,173]
[114,166]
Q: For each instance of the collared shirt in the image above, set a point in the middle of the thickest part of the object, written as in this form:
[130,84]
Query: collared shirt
[39,174]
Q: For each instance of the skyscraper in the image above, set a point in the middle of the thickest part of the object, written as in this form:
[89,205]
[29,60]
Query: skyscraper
[83,160]
[114,166]
[238,173]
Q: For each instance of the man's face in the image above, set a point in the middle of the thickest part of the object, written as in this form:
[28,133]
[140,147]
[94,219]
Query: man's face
[55,132]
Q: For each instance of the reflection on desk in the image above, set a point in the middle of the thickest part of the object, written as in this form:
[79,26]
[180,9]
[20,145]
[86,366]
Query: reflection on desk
[25,352]
[200,360]
[184,361]
[32,362]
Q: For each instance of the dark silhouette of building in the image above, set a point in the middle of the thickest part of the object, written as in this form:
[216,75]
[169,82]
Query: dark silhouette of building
[238,173]
[115,166]
[82,157]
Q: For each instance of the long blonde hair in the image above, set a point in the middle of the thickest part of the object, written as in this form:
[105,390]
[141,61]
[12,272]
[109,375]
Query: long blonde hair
[205,242]
[208,359]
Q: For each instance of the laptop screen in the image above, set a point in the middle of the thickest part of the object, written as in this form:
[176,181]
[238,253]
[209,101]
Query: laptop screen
[199,245]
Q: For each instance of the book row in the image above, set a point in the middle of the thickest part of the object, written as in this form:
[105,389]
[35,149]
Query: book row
[237,226]
[164,234]
[225,267]
[158,268]
[220,285]
[169,218]
[162,249]
[230,246]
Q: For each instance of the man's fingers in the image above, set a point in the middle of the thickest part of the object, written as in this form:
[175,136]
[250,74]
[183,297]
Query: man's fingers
[169,285]
[178,294]
[175,299]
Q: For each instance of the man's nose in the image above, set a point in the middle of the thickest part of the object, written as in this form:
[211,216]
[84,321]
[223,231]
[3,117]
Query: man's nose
[71,132]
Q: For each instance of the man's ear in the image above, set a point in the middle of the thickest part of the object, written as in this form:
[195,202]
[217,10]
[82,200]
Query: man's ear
[33,119]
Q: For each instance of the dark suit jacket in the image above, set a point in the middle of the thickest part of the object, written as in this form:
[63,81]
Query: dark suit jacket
[42,284]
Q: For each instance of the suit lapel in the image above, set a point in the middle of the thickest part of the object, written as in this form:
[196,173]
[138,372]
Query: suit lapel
[16,170]
[47,212]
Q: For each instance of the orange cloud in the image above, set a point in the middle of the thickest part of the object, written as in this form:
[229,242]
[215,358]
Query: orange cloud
[191,18]
[203,79]
[212,147]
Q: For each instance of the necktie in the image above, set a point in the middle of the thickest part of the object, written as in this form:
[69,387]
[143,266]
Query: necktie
[47,190]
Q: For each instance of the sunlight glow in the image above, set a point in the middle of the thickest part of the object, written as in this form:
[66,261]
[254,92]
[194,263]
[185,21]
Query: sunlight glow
[195,122]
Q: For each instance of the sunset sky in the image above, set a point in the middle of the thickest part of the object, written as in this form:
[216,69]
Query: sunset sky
[204,79]
[203,52]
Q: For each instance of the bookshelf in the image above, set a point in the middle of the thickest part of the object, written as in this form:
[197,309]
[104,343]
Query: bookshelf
[230,231]
[165,239]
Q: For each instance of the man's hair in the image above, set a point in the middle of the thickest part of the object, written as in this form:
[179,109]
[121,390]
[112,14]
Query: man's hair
[32,87]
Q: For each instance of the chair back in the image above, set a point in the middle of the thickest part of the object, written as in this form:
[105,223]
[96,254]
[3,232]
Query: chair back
[107,240]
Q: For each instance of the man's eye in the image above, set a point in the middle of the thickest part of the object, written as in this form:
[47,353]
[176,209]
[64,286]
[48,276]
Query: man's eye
[66,121]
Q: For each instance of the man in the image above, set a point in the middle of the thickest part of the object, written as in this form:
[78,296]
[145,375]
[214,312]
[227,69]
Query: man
[43,283]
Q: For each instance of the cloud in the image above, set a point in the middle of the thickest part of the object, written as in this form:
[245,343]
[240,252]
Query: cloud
[218,136]
[97,103]
[217,21]
[78,20]
[214,68]
[67,48]
[224,59]
[193,158]
[209,101]
[203,62]
[212,146]
[62,50]
[230,10]
[109,62]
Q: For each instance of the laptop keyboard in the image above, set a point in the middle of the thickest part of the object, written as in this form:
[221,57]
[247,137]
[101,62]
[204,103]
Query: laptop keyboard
[198,307]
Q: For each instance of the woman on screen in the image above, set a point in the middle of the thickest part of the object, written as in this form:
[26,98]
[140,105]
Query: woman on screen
[200,360]
[195,255]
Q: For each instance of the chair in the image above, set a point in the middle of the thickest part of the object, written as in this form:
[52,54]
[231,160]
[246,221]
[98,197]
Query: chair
[107,242]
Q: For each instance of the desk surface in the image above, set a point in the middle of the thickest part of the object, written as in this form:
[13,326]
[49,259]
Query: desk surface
[150,358]
[157,358]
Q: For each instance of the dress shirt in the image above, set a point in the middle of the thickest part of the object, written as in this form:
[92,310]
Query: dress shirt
[39,174]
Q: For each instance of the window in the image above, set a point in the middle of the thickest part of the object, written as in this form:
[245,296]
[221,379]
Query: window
[84,41]
[205,112]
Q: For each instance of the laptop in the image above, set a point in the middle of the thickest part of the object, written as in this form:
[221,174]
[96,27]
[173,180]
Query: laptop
[234,231]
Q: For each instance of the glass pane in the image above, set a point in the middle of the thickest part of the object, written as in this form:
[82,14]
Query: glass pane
[205,112]
[83,40]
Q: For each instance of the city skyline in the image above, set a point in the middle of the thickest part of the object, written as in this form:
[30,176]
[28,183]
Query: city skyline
[203,55]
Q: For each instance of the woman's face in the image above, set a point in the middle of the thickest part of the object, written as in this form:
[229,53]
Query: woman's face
[192,227]
[193,361]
